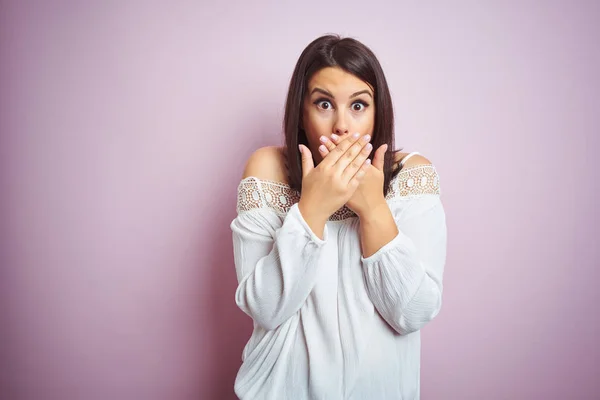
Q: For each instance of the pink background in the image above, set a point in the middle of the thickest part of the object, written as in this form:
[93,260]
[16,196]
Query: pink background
[124,130]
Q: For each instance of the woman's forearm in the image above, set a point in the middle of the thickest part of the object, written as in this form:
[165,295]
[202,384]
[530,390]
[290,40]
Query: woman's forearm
[377,228]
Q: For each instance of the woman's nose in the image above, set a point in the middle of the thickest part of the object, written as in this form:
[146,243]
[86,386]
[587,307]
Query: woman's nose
[340,126]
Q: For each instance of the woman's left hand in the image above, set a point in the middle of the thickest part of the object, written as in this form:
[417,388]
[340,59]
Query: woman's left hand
[369,195]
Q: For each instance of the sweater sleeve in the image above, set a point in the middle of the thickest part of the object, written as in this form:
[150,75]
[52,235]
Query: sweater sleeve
[404,277]
[276,260]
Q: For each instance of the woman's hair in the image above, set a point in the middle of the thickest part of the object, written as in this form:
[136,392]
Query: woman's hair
[357,59]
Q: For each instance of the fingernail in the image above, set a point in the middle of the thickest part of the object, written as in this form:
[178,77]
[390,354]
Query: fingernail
[334,136]
[323,148]
[300,148]
[368,161]
[356,135]
[323,139]
[369,147]
[366,138]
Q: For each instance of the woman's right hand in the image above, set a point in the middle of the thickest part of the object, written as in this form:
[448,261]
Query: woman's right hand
[326,188]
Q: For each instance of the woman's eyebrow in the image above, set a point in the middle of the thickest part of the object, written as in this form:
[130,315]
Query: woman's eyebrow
[362,92]
[326,93]
[323,91]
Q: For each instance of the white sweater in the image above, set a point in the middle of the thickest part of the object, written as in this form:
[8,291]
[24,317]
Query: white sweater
[328,323]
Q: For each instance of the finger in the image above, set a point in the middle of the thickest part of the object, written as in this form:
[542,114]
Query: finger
[352,153]
[323,150]
[339,150]
[358,162]
[307,160]
[355,181]
[379,157]
[326,146]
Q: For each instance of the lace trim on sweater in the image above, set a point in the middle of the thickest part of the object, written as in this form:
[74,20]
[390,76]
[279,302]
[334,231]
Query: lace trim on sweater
[254,193]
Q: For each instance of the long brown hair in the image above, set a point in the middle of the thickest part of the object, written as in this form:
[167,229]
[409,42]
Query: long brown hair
[357,59]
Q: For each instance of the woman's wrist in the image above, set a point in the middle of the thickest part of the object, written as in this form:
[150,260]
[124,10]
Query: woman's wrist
[315,219]
[374,211]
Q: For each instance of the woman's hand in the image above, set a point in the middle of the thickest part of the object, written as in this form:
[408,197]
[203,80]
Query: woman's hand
[369,194]
[327,187]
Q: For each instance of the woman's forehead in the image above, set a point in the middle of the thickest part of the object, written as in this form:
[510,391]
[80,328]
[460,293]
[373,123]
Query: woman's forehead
[337,82]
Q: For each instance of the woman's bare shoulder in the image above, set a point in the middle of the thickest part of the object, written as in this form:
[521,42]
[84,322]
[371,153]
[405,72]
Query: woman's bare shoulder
[267,163]
[414,161]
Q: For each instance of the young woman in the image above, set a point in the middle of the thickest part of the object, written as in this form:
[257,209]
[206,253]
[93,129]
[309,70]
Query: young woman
[339,243]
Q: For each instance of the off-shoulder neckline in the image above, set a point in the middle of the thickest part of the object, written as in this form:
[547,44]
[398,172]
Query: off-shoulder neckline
[287,186]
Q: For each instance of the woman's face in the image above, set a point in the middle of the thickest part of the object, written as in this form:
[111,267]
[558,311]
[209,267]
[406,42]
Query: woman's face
[336,102]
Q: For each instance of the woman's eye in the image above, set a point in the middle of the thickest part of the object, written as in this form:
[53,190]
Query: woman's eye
[324,104]
[358,106]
